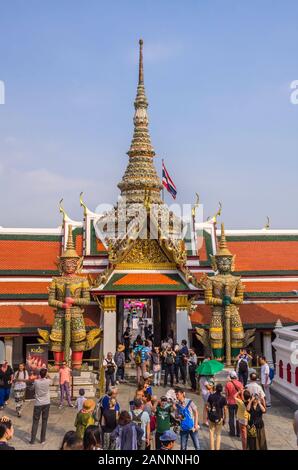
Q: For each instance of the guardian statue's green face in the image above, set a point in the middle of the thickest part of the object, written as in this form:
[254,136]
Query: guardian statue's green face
[224,264]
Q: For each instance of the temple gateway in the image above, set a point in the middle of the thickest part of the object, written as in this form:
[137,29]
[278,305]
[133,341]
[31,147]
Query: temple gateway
[141,274]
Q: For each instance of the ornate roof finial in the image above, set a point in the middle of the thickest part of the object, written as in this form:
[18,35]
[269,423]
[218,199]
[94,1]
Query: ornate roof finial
[86,210]
[62,211]
[70,251]
[267,225]
[222,248]
[141,68]
[140,172]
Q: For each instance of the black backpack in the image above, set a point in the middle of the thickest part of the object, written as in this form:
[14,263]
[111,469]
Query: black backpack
[243,366]
[169,359]
[214,414]
[137,418]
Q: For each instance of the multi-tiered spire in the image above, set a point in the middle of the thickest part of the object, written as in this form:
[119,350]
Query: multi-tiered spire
[140,175]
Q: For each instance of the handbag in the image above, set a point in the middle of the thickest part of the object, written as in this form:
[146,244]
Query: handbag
[251,431]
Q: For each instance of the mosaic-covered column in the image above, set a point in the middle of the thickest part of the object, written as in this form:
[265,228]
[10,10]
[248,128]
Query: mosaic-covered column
[182,318]
[267,347]
[109,324]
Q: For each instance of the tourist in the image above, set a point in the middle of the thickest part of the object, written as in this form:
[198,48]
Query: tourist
[139,395]
[142,419]
[148,353]
[217,416]
[6,433]
[41,405]
[71,441]
[146,382]
[256,437]
[192,365]
[232,387]
[140,358]
[148,331]
[187,414]
[176,363]
[206,384]
[295,424]
[92,438]
[108,424]
[127,435]
[253,387]
[265,379]
[168,439]
[163,413]
[242,398]
[84,417]
[119,359]
[64,383]
[110,368]
[6,379]
[183,360]
[156,366]
[20,380]
[104,403]
[242,366]
[81,399]
[169,360]
[126,341]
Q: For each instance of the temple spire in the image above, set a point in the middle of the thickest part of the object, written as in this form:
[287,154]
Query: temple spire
[140,174]
[141,68]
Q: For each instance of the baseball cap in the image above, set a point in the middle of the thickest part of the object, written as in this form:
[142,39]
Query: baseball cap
[233,375]
[168,436]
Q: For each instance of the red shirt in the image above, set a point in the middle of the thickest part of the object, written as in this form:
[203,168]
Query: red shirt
[232,387]
[64,375]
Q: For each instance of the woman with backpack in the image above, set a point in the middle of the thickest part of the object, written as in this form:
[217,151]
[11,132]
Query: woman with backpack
[217,416]
[140,358]
[127,435]
[169,361]
[242,366]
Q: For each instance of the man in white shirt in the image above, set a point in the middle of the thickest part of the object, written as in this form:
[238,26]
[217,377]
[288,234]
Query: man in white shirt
[253,387]
[265,379]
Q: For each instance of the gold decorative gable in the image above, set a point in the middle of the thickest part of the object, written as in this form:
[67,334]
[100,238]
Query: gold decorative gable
[146,254]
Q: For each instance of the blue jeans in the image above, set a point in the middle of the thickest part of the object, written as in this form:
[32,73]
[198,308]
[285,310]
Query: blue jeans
[184,435]
[4,395]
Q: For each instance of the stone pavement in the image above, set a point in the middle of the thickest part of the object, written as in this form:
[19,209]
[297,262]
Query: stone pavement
[278,424]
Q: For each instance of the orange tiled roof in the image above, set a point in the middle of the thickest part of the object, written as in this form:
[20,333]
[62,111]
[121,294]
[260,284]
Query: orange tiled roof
[24,287]
[253,313]
[79,244]
[21,255]
[145,279]
[37,316]
[265,255]
[202,249]
[270,286]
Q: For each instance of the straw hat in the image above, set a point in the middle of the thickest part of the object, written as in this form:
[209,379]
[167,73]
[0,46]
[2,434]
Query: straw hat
[121,348]
[89,405]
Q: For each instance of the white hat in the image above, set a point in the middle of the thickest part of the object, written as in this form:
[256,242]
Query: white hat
[233,374]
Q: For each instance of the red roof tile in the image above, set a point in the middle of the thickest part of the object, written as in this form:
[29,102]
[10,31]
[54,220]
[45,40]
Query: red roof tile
[254,313]
[21,255]
[265,255]
[37,316]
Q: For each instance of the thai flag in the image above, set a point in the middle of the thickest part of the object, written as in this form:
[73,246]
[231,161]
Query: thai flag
[167,182]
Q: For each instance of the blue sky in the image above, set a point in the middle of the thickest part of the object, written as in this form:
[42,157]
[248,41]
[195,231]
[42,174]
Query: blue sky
[217,76]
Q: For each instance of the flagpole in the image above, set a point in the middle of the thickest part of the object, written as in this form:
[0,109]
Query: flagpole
[163,189]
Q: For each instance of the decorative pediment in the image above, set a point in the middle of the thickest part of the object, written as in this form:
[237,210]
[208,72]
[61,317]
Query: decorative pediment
[146,254]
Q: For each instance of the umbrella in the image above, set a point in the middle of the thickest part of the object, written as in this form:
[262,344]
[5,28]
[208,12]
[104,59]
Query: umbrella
[209,367]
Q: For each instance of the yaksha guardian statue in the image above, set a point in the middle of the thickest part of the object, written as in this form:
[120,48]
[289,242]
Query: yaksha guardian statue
[224,292]
[68,293]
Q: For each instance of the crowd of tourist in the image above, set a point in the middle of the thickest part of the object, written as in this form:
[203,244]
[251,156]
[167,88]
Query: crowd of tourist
[150,421]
